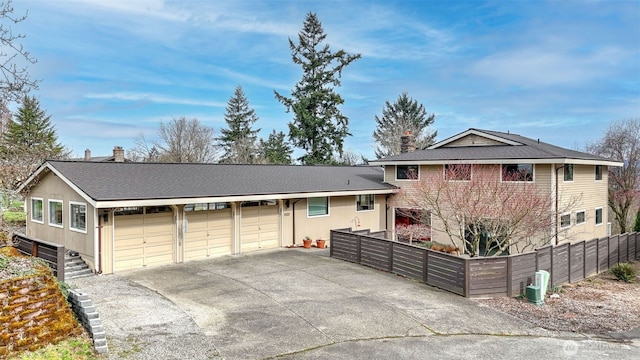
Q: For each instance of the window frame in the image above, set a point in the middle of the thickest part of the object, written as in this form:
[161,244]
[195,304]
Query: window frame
[568,214]
[407,171]
[564,172]
[595,218]
[371,206]
[328,205]
[598,174]
[52,201]
[445,172]
[71,214]
[518,171]
[41,221]
[584,218]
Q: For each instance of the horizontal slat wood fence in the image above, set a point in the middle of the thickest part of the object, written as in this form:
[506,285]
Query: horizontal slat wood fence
[52,254]
[488,276]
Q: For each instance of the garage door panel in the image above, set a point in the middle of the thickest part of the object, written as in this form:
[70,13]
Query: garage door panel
[208,234]
[142,240]
[260,228]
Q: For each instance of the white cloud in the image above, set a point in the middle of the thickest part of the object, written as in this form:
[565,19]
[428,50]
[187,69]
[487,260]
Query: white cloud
[129,96]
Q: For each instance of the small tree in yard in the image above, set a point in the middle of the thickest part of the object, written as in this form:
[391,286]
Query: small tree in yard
[482,206]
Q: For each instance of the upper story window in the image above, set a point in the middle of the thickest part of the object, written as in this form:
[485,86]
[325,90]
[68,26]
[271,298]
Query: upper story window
[460,172]
[565,220]
[407,172]
[568,172]
[78,216]
[517,172]
[365,202]
[581,217]
[55,213]
[37,214]
[318,206]
[598,172]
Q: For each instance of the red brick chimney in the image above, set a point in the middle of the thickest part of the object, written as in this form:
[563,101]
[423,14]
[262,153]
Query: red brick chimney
[118,154]
[407,142]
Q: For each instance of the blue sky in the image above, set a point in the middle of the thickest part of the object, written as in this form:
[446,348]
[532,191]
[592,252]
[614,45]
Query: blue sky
[560,71]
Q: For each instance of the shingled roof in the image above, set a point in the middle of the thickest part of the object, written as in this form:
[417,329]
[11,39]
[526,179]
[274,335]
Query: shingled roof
[512,148]
[109,181]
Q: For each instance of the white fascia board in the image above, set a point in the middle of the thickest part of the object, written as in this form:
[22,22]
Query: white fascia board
[46,166]
[502,161]
[182,201]
[472,132]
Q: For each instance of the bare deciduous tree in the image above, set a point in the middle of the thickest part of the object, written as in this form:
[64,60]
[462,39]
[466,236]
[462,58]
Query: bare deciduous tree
[621,142]
[15,81]
[183,140]
[489,213]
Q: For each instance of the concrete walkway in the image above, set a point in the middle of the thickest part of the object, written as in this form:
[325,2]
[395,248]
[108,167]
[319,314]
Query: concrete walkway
[296,303]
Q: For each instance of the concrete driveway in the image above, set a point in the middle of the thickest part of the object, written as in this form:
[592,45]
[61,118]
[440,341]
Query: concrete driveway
[299,303]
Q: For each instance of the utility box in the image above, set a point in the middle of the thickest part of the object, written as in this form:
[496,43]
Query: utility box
[534,295]
[542,280]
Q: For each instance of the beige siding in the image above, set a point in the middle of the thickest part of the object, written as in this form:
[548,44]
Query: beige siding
[583,193]
[342,214]
[209,233]
[473,140]
[51,187]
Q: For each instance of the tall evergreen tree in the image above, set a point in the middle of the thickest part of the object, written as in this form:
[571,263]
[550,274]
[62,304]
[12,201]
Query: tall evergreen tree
[28,140]
[239,141]
[318,126]
[276,150]
[405,114]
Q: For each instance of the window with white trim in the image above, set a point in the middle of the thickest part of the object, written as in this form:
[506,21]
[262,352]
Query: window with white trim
[37,213]
[407,172]
[568,172]
[598,172]
[365,202]
[581,217]
[78,216]
[55,213]
[598,216]
[565,220]
[318,206]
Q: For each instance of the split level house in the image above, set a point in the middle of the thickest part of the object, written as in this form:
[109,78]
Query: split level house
[575,182]
[120,215]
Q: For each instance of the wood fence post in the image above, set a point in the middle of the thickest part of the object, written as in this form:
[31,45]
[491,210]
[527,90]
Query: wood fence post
[467,278]
[390,256]
[425,264]
[359,247]
[509,276]
[569,247]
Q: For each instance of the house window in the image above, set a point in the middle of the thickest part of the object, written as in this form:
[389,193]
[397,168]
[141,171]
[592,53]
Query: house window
[598,172]
[517,172]
[78,216]
[365,202]
[318,206]
[36,210]
[460,172]
[581,217]
[407,172]
[565,220]
[598,216]
[130,210]
[55,213]
[568,172]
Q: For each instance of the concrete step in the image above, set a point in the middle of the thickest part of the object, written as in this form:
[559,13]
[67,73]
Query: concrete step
[78,274]
[75,267]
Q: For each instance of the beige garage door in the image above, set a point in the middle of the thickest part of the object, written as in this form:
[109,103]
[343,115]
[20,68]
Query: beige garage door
[209,233]
[260,227]
[143,240]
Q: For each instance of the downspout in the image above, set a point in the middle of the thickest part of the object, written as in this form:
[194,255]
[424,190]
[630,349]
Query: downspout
[96,241]
[555,220]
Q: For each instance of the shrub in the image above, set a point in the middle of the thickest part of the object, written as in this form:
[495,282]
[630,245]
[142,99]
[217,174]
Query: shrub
[624,272]
[14,216]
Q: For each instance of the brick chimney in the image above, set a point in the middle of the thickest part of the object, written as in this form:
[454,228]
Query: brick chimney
[87,155]
[407,142]
[118,154]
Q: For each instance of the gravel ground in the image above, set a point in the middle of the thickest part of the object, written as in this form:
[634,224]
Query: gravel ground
[598,305]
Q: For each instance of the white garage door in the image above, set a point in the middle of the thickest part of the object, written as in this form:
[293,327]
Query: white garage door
[143,240]
[260,227]
[209,233]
